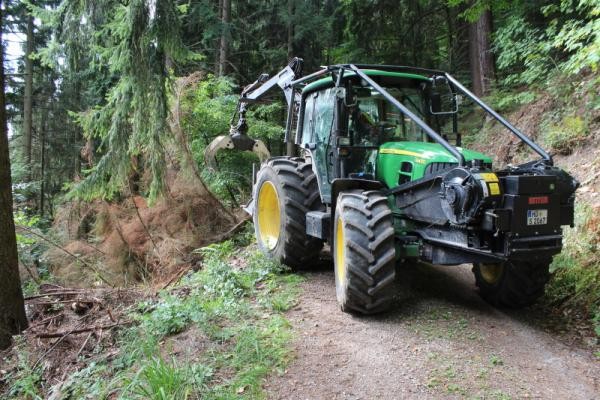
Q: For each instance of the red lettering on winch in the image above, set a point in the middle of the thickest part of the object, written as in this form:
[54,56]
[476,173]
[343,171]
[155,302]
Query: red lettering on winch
[538,200]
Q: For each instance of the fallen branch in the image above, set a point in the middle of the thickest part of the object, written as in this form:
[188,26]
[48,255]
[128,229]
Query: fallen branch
[49,335]
[63,293]
[33,276]
[236,228]
[84,344]
[49,303]
[46,320]
[175,278]
[62,337]
[91,246]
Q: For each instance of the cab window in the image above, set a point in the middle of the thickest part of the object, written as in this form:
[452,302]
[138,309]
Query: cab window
[374,120]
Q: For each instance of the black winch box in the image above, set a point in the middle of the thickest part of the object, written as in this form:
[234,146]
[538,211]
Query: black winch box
[529,184]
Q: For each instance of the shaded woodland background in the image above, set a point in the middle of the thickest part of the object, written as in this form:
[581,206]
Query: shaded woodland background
[110,104]
[94,79]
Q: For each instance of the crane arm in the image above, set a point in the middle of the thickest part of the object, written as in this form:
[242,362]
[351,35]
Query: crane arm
[238,134]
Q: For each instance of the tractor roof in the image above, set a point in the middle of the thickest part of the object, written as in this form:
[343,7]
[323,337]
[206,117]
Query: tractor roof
[328,81]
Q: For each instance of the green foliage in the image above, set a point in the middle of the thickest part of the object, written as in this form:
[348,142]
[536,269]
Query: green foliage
[523,52]
[22,219]
[30,247]
[575,283]
[24,383]
[233,309]
[207,114]
[161,380]
[130,42]
[502,100]
[578,36]
[565,135]
[87,383]
[567,41]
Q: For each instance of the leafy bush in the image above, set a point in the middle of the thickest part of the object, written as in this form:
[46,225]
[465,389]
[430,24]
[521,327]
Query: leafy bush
[523,52]
[579,36]
[30,247]
[567,42]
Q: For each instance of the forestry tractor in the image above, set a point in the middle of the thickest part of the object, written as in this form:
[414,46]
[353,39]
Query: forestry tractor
[383,179]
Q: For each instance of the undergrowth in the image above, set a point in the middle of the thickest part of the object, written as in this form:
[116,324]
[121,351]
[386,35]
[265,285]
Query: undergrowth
[566,134]
[575,284]
[225,322]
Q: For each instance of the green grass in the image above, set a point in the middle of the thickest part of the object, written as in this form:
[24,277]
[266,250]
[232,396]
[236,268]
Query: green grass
[235,312]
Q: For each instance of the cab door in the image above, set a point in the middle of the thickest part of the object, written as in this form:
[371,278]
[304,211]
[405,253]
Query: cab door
[317,128]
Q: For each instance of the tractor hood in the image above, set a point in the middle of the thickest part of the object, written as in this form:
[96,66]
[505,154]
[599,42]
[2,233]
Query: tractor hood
[430,152]
[400,162]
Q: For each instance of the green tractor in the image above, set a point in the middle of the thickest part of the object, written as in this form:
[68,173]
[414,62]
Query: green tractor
[383,179]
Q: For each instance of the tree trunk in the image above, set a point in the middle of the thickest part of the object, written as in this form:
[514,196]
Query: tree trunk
[43,130]
[28,96]
[218,41]
[224,45]
[12,310]
[480,54]
[450,38]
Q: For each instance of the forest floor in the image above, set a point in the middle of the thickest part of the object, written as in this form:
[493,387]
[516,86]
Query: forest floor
[441,340]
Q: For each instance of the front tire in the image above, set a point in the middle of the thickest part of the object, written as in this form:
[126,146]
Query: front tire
[514,284]
[286,189]
[364,252]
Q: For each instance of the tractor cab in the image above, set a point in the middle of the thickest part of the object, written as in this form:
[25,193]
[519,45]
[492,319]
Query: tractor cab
[353,131]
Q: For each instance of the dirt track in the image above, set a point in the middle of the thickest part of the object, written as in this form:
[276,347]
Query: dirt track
[440,341]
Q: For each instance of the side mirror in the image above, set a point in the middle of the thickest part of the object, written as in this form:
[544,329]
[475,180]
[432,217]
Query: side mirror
[442,99]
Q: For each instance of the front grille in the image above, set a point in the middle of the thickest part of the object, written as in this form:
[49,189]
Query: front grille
[434,167]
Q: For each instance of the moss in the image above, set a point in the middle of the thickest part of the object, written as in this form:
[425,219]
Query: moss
[565,135]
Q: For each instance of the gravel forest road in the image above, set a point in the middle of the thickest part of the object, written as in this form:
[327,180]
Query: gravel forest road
[439,341]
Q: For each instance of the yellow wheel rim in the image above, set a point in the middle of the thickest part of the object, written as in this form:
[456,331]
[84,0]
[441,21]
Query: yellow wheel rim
[491,273]
[340,252]
[269,215]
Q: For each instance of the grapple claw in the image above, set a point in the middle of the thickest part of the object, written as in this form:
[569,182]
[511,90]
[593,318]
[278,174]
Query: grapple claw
[218,143]
[234,141]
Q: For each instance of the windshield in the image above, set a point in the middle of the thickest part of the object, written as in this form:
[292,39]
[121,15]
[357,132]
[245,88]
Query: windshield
[374,120]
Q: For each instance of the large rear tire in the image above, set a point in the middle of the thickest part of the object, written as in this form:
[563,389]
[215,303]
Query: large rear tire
[286,189]
[364,252]
[512,284]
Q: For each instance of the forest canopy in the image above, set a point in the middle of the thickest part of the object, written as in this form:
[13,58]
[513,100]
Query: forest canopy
[98,75]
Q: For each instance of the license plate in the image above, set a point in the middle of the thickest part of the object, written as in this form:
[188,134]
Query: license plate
[537,217]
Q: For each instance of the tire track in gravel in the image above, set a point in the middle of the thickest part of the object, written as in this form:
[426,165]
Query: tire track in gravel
[439,341]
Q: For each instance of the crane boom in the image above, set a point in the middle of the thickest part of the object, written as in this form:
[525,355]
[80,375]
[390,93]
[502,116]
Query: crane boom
[238,134]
